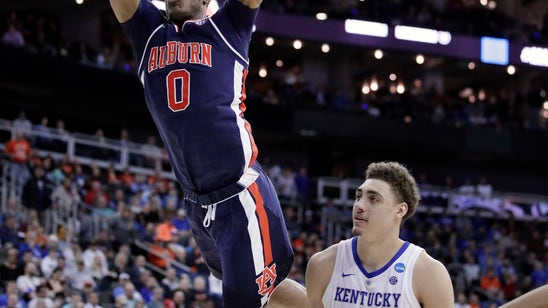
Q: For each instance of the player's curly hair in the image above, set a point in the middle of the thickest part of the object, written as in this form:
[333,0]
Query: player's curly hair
[401,181]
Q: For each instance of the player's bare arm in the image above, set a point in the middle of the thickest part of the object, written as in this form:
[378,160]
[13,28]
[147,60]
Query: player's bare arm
[318,273]
[432,283]
[124,9]
[253,4]
[533,299]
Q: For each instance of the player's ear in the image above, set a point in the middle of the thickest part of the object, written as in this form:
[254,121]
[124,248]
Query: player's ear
[402,209]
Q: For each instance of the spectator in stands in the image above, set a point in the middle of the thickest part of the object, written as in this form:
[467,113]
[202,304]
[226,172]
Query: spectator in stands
[139,265]
[96,190]
[32,245]
[95,260]
[9,231]
[65,196]
[11,290]
[484,188]
[41,132]
[93,301]
[461,301]
[62,137]
[22,124]
[56,285]
[510,286]
[123,228]
[126,178]
[467,188]
[490,282]
[36,194]
[11,268]
[101,212]
[133,296]
[18,151]
[152,153]
[158,298]
[150,212]
[82,276]
[302,184]
[118,287]
[75,301]
[286,185]
[539,275]
[50,261]
[147,290]
[28,283]
[180,299]
[12,36]
[170,282]
[41,299]
[199,295]
[471,268]
[181,223]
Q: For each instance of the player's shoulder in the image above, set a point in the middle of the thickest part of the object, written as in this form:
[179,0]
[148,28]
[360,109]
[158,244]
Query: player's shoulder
[431,276]
[425,262]
[425,266]
[325,257]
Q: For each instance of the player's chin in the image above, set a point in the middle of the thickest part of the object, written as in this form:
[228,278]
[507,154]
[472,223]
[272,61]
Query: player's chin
[356,231]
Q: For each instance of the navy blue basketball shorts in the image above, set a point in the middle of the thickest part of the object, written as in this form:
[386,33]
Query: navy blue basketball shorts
[243,239]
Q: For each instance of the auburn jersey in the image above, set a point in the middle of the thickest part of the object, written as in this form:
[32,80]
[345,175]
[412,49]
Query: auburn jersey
[193,76]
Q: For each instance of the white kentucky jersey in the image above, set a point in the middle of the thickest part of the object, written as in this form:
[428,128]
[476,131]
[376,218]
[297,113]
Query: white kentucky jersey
[390,286]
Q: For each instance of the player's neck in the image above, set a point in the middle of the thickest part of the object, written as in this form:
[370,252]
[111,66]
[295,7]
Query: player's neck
[374,254]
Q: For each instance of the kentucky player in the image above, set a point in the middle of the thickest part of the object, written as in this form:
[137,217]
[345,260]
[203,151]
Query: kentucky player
[193,69]
[376,268]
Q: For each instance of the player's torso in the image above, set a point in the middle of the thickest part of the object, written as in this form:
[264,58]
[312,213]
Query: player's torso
[193,84]
[390,286]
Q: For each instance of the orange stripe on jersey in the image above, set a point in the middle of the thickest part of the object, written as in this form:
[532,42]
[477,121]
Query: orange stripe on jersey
[243,107]
[263,223]
[254,149]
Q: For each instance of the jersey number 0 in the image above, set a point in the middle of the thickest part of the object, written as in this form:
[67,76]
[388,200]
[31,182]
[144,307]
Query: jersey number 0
[178,82]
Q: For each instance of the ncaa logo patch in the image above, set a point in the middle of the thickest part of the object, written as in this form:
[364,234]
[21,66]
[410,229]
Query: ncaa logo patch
[393,280]
[399,267]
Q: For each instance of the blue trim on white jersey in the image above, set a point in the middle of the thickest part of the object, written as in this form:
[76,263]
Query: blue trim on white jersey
[380,270]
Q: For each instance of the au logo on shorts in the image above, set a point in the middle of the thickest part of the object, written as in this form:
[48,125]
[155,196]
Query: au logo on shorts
[399,267]
[266,280]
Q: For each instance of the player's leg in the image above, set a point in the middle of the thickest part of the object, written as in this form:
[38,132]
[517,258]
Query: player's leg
[255,251]
[288,294]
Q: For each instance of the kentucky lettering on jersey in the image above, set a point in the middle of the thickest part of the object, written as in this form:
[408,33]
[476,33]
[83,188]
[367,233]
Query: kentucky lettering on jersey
[179,52]
[367,299]
[351,285]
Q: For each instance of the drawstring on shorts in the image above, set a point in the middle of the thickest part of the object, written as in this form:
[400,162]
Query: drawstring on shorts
[210,215]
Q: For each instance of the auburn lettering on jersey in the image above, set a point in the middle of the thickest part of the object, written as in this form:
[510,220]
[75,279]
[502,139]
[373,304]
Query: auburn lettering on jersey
[366,299]
[179,52]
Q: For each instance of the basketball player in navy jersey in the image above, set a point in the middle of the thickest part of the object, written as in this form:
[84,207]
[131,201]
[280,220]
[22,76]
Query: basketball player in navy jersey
[376,268]
[193,69]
